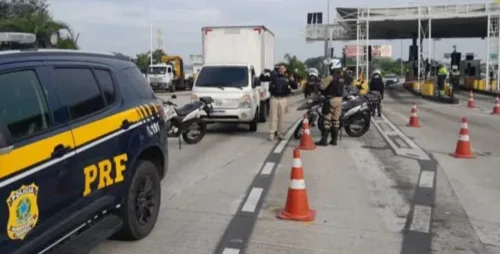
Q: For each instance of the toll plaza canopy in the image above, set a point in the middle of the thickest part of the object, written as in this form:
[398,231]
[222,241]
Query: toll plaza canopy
[447,21]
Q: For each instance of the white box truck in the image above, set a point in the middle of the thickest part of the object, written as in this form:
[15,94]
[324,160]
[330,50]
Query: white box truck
[233,59]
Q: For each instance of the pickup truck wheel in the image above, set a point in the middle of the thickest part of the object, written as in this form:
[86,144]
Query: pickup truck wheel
[254,122]
[263,112]
[142,204]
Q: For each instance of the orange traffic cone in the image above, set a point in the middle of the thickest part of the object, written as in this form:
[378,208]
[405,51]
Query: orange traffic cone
[496,108]
[297,206]
[463,149]
[414,122]
[306,141]
[471,103]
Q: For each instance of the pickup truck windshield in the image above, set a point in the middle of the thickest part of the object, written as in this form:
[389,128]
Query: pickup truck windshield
[223,76]
[157,70]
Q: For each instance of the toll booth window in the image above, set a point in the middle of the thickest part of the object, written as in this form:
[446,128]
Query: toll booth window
[78,90]
[23,106]
[106,84]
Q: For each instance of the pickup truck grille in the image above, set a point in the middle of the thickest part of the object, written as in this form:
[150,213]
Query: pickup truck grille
[226,103]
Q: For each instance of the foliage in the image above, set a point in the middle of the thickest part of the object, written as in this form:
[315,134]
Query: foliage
[295,66]
[315,62]
[32,16]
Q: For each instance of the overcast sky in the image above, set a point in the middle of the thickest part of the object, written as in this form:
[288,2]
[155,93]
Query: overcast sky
[123,25]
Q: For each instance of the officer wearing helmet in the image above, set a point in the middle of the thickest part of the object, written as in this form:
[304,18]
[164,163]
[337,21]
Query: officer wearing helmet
[377,85]
[333,88]
[312,82]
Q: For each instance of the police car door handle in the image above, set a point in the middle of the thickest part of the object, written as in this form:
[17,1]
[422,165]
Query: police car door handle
[60,150]
[125,124]
[6,150]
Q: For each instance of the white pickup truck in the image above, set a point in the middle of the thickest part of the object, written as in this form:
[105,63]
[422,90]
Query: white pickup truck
[238,55]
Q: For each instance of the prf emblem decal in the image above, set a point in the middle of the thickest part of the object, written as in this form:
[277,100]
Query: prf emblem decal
[23,211]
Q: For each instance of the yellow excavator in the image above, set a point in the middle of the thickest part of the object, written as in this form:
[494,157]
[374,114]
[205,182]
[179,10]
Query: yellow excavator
[178,64]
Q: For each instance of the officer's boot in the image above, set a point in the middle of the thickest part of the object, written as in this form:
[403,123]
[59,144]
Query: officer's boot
[324,139]
[335,134]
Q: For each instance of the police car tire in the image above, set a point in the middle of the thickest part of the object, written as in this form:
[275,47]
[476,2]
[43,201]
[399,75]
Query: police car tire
[131,230]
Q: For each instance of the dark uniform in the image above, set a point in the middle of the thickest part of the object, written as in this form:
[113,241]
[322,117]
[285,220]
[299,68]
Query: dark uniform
[377,85]
[454,79]
[333,88]
[280,89]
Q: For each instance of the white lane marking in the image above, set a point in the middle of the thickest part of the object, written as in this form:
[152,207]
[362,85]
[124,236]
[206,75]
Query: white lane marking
[403,151]
[298,184]
[421,219]
[230,251]
[267,169]
[426,179]
[252,200]
[66,156]
[279,148]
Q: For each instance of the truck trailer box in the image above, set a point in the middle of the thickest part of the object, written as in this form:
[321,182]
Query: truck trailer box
[239,44]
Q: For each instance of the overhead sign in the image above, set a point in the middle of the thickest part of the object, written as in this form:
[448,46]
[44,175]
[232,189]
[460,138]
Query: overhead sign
[23,38]
[377,50]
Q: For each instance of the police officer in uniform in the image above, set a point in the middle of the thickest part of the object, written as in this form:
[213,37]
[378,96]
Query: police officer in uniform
[454,79]
[333,88]
[377,86]
[279,88]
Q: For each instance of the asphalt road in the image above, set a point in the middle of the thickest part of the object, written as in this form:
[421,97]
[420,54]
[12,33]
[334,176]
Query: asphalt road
[394,190]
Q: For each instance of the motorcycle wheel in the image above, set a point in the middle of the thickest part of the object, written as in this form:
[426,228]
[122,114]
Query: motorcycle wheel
[195,132]
[364,127]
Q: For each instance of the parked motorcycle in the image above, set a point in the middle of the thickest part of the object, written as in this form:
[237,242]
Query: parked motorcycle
[355,117]
[185,121]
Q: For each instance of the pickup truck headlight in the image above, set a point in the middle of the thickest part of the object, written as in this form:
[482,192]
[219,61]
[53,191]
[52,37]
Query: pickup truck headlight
[245,101]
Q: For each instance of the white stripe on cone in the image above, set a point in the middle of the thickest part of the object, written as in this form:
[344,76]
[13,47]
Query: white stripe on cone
[413,114]
[297,163]
[307,131]
[463,126]
[306,121]
[464,138]
[297,184]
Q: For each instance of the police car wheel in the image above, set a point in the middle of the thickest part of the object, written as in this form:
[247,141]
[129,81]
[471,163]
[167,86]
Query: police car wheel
[142,203]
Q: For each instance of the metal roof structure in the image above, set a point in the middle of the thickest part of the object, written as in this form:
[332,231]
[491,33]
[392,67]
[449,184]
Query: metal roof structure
[448,21]
[465,20]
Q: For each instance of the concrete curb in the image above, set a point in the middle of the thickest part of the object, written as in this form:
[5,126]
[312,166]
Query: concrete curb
[445,100]
[489,93]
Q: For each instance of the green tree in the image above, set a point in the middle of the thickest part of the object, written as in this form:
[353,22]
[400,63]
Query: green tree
[142,61]
[315,62]
[16,8]
[295,66]
[32,16]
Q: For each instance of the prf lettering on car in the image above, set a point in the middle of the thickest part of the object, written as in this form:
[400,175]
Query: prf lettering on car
[101,172]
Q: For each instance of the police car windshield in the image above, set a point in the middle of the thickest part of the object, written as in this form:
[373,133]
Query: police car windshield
[157,70]
[223,76]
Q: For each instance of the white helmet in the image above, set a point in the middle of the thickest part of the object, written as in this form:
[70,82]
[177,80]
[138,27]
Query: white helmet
[334,63]
[377,71]
[313,72]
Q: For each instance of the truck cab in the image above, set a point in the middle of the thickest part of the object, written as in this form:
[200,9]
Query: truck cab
[235,89]
[160,76]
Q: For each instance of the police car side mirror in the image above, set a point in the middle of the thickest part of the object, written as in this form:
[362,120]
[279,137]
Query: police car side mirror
[173,96]
[5,139]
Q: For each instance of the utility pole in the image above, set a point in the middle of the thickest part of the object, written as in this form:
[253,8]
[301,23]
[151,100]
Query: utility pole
[151,32]
[326,35]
